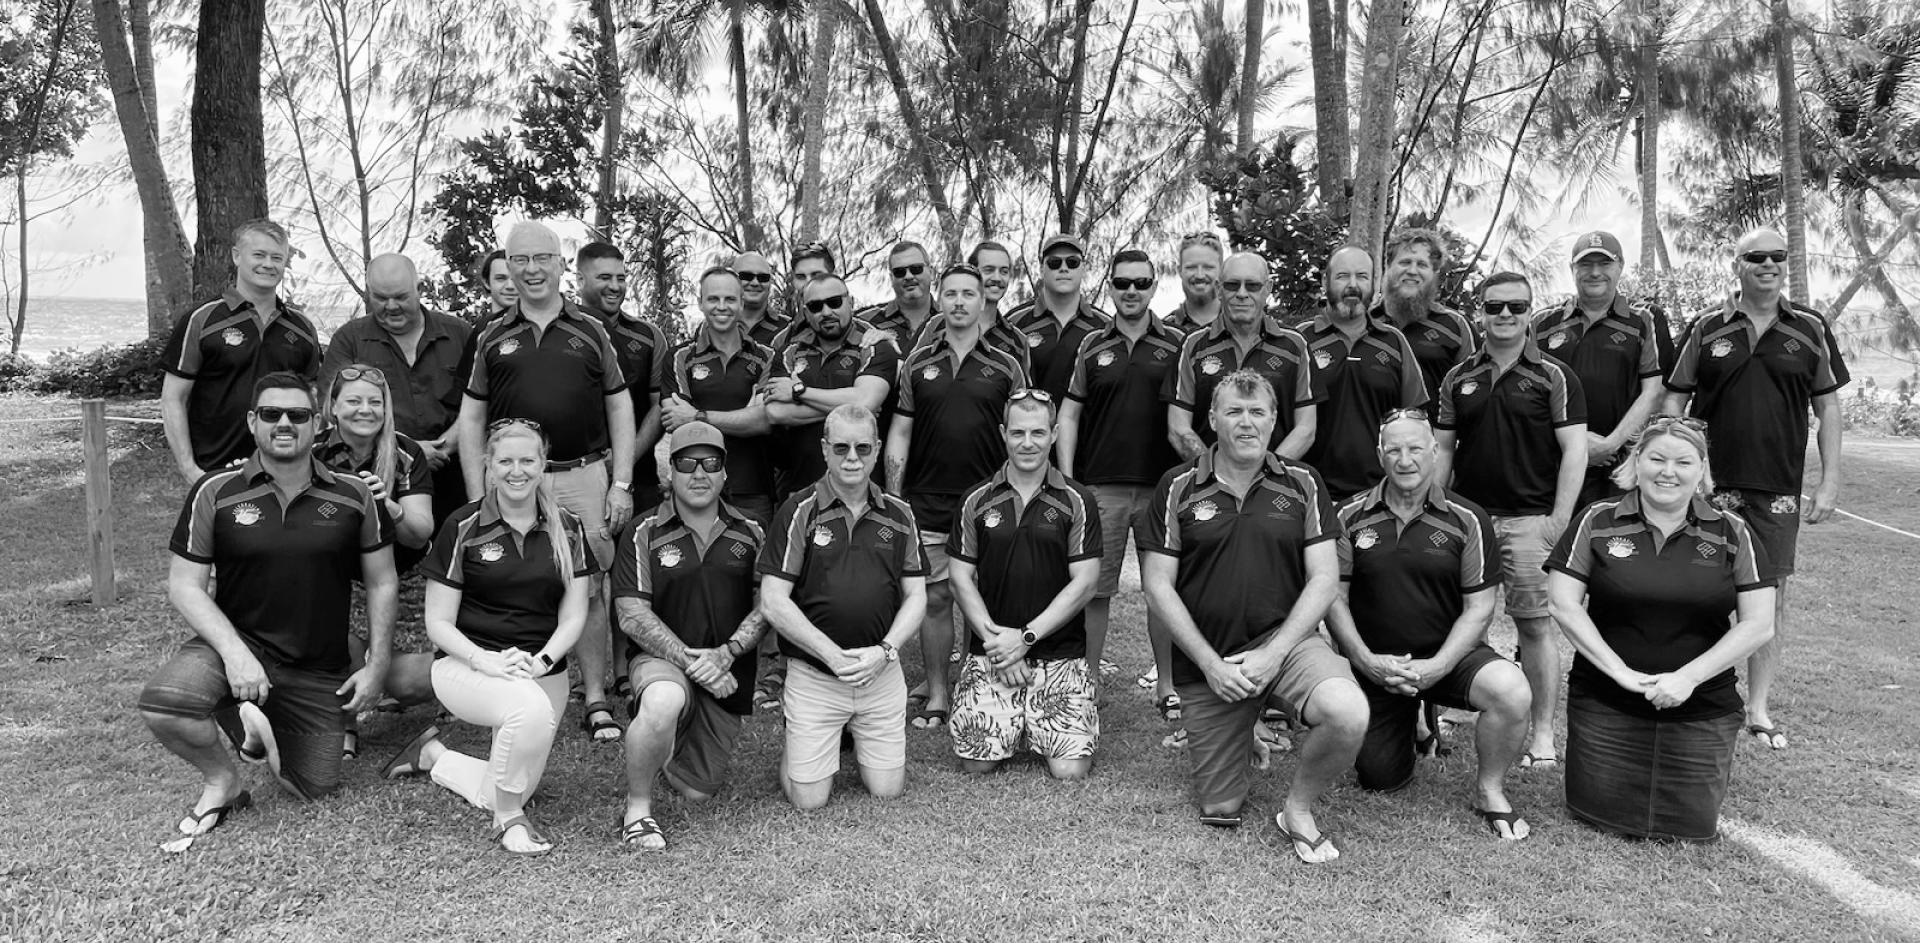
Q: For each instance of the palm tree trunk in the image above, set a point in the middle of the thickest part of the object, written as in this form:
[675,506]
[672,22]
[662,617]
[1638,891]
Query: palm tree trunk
[169,256]
[229,137]
[737,49]
[826,24]
[1648,82]
[1250,72]
[613,95]
[1367,224]
[1792,167]
[1330,120]
[916,131]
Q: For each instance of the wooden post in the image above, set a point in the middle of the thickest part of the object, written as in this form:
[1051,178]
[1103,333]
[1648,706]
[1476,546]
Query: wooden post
[93,441]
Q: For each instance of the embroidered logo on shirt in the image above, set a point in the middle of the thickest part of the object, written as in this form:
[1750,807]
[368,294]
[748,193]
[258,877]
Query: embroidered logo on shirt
[1322,359]
[669,556]
[1617,337]
[1720,348]
[1160,354]
[1467,388]
[1437,538]
[700,371]
[1383,356]
[327,510]
[821,535]
[1050,515]
[246,515]
[508,346]
[1365,539]
[491,553]
[1792,346]
[1033,340]
[1280,503]
[739,550]
[232,337]
[1273,363]
[576,343]
[1620,547]
[1526,385]
[989,372]
[1210,366]
[885,535]
[1707,550]
[291,337]
[1556,340]
[1205,511]
[1104,360]
[931,373]
[1784,504]
[991,518]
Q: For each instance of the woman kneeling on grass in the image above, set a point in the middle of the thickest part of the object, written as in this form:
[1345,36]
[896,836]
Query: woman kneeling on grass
[507,602]
[1652,711]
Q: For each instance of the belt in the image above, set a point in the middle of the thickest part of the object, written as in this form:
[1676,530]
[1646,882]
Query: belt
[581,462]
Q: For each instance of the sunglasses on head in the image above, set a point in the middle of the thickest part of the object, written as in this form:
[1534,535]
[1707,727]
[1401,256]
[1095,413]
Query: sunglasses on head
[272,414]
[1761,256]
[817,305]
[1662,423]
[1068,262]
[1247,285]
[1130,284]
[1406,412]
[1029,392]
[499,424]
[862,449]
[358,372]
[711,464]
[1496,307]
[902,271]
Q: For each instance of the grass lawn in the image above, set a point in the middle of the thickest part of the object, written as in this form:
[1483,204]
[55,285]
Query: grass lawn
[1822,842]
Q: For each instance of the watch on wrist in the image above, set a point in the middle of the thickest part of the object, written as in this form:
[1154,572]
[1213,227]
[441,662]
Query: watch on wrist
[626,486]
[733,648]
[700,415]
[1027,637]
[799,389]
[889,651]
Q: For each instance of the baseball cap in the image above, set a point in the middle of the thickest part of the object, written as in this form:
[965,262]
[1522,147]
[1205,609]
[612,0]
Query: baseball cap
[1062,239]
[1602,243]
[696,433]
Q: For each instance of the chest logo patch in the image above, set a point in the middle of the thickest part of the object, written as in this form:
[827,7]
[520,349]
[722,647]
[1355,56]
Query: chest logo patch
[508,346]
[1280,503]
[232,337]
[1104,360]
[1437,539]
[669,556]
[1467,387]
[989,372]
[931,373]
[492,552]
[1366,539]
[1210,366]
[821,535]
[700,371]
[1720,348]
[885,535]
[1784,504]
[991,518]
[1382,356]
[1160,354]
[848,360]
[739,550]
[290,336]
[1050,515]
[1273,363]
[1033,340]
[1556,340]
[1618,337]
[1707,551]
[1526,385]
[1205,511]
[1620,547]
[1792,346]
[328,510]
[576,343]
[246,515]
[1322,359]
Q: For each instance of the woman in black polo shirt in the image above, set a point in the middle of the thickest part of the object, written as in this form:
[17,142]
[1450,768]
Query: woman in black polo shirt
[1652,711]
[507,602]
[363,442]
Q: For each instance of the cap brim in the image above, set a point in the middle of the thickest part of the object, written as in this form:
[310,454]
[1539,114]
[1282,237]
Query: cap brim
[1610,256]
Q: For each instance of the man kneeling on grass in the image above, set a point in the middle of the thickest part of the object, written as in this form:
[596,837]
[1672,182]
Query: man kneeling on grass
[269,665]
[843,580]
[1025,553]
[1241,565]
[683,586]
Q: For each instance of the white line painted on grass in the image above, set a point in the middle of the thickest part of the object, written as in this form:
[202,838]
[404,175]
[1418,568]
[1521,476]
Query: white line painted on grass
[21,422]
[1814,860]
[1903,533]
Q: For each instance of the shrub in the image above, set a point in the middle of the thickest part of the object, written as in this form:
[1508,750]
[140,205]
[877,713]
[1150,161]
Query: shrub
[1890,412]
[15,369]
[131,371]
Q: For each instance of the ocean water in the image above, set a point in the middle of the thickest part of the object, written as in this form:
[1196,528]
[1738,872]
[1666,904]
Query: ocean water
[86,323]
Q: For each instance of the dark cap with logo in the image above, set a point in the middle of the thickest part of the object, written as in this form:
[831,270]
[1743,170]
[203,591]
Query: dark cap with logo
[1597,243]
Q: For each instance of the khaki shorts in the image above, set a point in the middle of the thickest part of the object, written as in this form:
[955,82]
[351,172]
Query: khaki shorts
[705,740]
[1123,508]
[1524,545]
[1220,733]
[583,491]
[818,706]
[934,543]
[1054,711]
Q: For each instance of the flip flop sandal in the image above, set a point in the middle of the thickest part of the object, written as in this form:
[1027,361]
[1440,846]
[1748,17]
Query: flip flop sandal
[1148,678]
[1109,669]
[596,728]
[1529,761]
[350,744]
[1297,839]
[1169,706]
[643,833]
[499,833]
[1176,740]
[1769,735]
[925,719]
[197,824]
[407,761]
[1222,819]
[622,687]
[1493,820]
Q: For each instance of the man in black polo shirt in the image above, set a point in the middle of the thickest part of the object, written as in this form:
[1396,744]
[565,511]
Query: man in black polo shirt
[1441,337]
[1614,347]
[995,262]
[760,319]
[642,348]
[217,352]
[843,580]
[827,359]
[943,440]
[683,585]
[1200,258]
[1243,337]
[1241,564]
[269,661]
[912,304]
[715,376]
[1420,569]
[421,352]
[1025,555]
[1513,439]
[1362,367]
[1113,437]
[550,361]
[1059,316]
[1752,368]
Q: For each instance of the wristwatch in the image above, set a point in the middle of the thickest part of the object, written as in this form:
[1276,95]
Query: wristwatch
[700,415]
[799,389]
[733,648]
[888,650]
[1028,637]
[626,486]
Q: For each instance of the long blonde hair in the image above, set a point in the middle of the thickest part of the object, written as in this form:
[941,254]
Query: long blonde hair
[549,506]
[386,455]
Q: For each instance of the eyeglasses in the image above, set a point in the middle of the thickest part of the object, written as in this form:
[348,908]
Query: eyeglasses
[862,449]
[1130,284]
[499,424]
[1068,262]
[358,372]
[902,271]
[1665,422]
[542,258]
[1414,413]
[1029,392]
[1247,285]
[817,305]
[1759,256]
[273,414]
[711,464]
[754,278]
[1495,307]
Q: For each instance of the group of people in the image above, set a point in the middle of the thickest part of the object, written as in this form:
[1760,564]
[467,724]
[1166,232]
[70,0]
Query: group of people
[1324,514]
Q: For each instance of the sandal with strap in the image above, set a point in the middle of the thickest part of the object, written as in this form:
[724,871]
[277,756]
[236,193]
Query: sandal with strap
[197,824]
[643,832]
[1493,821]
[499,834]
[1169,706]
[1311,844]
[604,730]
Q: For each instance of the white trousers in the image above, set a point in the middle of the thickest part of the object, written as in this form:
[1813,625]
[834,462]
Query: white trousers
[523,712]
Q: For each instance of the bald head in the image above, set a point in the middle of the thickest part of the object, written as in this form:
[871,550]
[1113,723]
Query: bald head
[535,262]
[393,294]
[391,270]
[1349,284]
[756,282]
[1759,239]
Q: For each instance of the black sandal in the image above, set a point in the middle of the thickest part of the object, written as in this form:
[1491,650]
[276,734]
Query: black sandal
[606,724]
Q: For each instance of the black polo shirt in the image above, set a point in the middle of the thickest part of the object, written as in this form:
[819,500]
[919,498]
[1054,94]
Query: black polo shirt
[1123,423]
[282,570]
[1441,339]
[1021,554]
[1611,355]
[1181,321]
[510,591]
[847,574]
[411,473]
[1755,391]
[1659,603]
[1277,353]
[700,584]
[1000,334]
[806,359]
[558,377]
[712,380]
[956,404]
[426,392]
[888,317]
[771,325]
[1409,580]
[224,346]
[642,349]
[1356,383]
[1051,345]
[1242,563]
[1506,456]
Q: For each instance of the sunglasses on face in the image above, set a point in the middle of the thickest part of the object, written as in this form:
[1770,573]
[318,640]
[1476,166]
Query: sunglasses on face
[1761,256]
[711,464]
[754,278]
[1406,412]
[1496,307]
[1068,262]
[818,305]
[1249,285]
[1131,284]
[902,271]
[862,449]
[271,415]
[542,258]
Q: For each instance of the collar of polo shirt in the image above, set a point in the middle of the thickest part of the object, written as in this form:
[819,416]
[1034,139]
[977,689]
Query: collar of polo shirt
[1698,508]
[1377,496]
[1203,466]
[1788,311]
[824,490]
[252,471]
[1529,351]
[669,513]
[1054,479]
[237,304]
[490,511]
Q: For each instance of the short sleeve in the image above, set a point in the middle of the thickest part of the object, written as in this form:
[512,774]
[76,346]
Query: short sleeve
[904,405]
[1830,373]
[477,376]
[1686,361]
[1303,393]
[963,542]
[376,525]
[182,354]
[1446,413]
[1649,365]
[1321,522]
[413,469]
[193,531]
[1480,565]
[1182,376]
[1413,386]
[673,380]
[1574,554]
[914,560]
[1163,524]
[1567,402]
[1077,380]
[445,561]
[782,555]
[579,550]
[630,579]
[881,361]
[1749,556]
[1083,534]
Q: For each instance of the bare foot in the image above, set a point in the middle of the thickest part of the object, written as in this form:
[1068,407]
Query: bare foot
[1309,843]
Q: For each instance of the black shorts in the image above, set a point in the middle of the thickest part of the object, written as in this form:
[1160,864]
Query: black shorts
[1774,520]
[1386,757]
